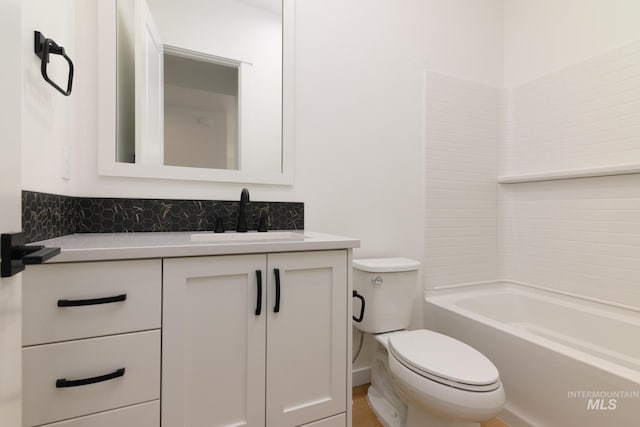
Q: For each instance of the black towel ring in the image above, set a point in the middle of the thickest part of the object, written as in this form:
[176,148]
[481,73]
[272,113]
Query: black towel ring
[43,47]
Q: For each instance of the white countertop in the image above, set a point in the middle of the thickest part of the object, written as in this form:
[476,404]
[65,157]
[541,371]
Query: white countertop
[112,246]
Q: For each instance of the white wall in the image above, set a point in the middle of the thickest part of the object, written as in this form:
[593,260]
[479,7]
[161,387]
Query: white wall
[544,36]
[584,116]
[359,110]
[48,117]
[461,150]
[206,132]
[573,103]
[580,236]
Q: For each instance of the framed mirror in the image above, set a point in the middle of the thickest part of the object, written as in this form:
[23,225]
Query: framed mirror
[197,90]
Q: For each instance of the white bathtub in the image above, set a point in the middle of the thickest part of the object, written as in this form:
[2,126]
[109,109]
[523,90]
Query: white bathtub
[564,361]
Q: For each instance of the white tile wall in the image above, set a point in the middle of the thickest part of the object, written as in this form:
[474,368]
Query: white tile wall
[461,140]
[579,235]
[584,116]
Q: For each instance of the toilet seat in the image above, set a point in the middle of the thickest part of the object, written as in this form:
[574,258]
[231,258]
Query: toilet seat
[444,360]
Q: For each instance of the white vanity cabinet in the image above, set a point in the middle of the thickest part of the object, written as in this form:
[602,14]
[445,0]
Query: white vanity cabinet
[256,340]
[150,329]
[91,344]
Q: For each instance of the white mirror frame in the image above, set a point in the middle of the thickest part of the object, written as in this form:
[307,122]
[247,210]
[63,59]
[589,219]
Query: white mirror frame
[107,165]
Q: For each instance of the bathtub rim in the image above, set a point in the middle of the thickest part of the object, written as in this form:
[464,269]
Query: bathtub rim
[508,286]
[507,283]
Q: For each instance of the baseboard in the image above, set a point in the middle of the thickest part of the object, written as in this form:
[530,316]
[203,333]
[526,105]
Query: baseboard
[513,419]
[361,376]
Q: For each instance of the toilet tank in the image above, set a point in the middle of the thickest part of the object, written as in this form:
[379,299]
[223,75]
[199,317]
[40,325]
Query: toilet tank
[388,286]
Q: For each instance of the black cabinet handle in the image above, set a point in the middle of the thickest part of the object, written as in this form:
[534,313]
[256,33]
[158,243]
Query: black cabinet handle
[361,316]
[276,308]
[64,383]
[94,301]
[259,299]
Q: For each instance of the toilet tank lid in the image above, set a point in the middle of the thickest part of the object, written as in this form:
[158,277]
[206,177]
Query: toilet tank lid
[386,265]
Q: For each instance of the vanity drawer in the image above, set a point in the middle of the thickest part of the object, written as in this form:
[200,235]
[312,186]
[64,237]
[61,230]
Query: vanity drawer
[143,415]
[47,286]
[44,365]
[339,420]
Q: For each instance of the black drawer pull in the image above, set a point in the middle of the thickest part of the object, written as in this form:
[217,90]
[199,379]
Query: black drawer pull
[259,299]
[94,301]
[276,308]
[64,383]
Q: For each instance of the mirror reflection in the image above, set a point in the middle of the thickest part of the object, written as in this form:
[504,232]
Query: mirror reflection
[199,83]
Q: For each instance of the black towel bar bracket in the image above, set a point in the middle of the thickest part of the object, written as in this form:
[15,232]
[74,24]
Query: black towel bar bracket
[44,47]
[15,254]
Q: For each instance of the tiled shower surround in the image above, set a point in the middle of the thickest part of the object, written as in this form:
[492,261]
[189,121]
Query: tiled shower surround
[45,216]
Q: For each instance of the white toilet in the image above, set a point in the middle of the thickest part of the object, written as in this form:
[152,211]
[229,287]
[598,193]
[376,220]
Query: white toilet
[418,378]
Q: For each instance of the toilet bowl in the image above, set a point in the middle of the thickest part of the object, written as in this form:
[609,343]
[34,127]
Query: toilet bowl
[443,377]
[419,378]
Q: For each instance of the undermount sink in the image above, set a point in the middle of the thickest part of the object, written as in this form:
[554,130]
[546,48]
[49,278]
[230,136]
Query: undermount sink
[230,237]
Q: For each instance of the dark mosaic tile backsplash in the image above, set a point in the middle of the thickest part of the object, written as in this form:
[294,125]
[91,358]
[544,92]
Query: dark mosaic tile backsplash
[45,216]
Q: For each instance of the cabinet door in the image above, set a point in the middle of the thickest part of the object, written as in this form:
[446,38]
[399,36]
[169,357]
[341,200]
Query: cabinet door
[307,337]
[213,342]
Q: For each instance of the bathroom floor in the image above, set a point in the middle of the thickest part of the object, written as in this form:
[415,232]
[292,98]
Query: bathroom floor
[364,417]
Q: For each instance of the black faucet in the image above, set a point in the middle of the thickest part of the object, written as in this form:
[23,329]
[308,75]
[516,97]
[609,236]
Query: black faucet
[242,218]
